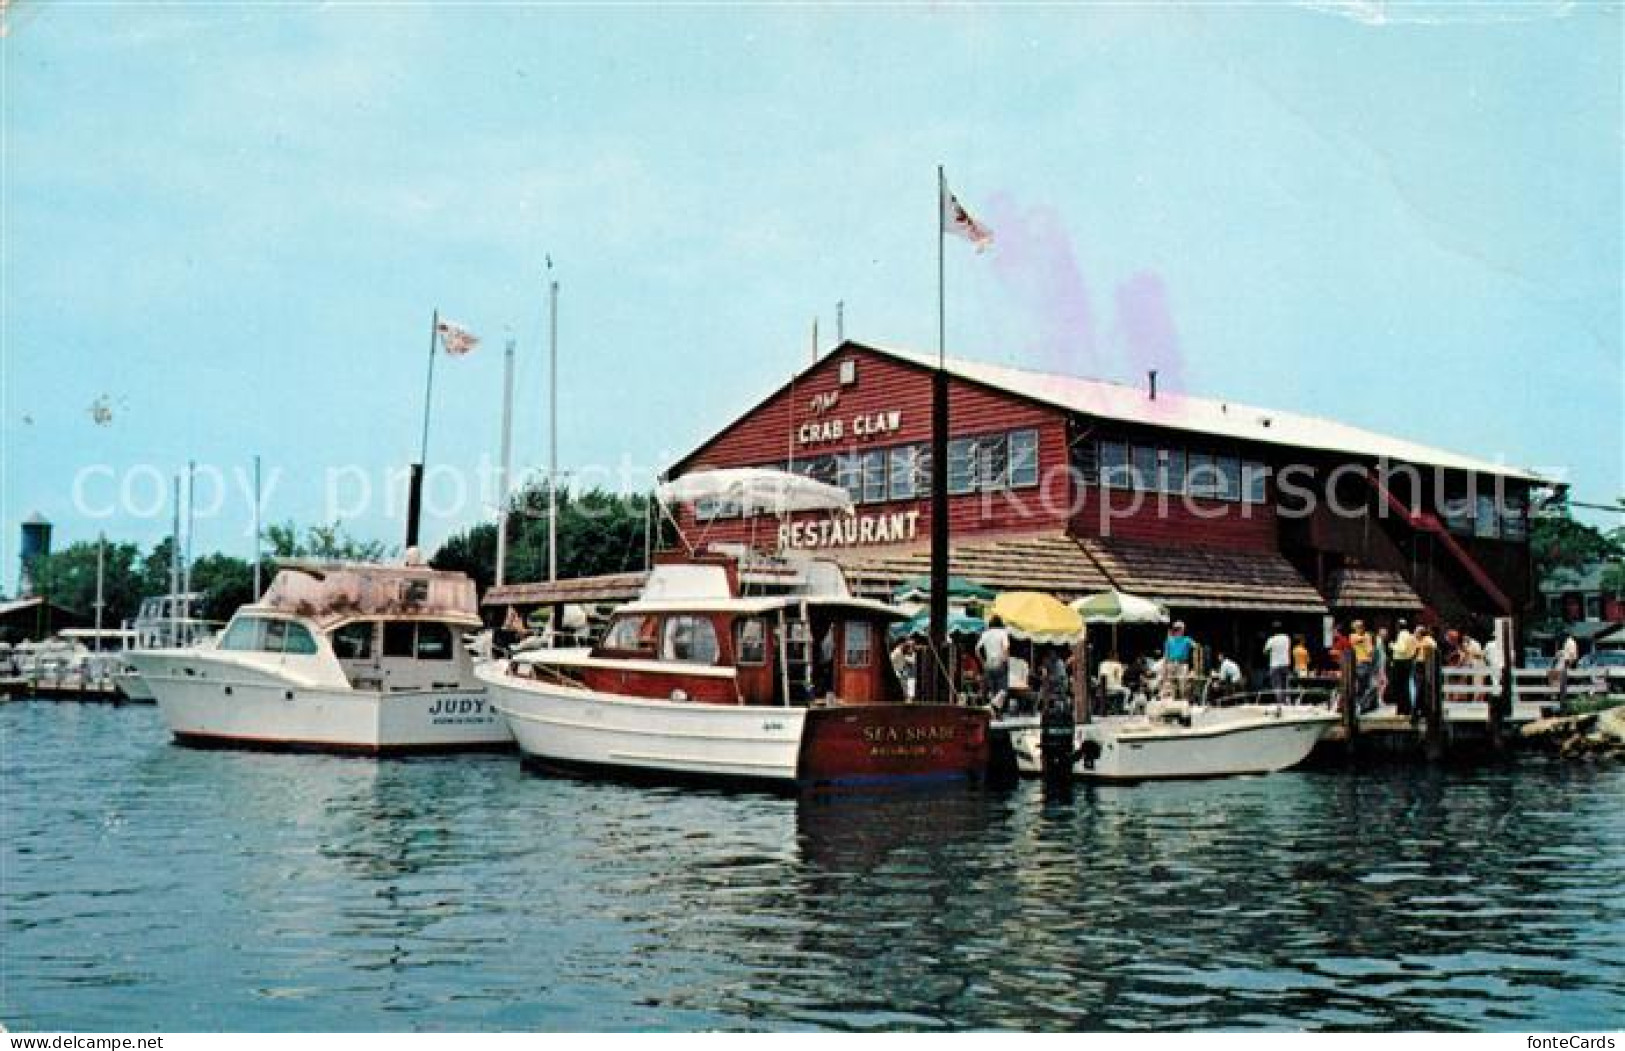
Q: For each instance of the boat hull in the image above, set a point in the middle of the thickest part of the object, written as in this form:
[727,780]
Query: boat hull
[1219,743]
[210,702]
[578,730]
[133,687]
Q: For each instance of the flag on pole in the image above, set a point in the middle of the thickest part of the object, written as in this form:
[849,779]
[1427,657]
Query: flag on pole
[455,338]
[957,221]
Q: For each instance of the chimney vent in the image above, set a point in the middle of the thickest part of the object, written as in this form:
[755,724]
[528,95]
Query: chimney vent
[1153,374]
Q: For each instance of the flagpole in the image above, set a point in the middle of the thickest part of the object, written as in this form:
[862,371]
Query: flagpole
[414,495]
[941,681]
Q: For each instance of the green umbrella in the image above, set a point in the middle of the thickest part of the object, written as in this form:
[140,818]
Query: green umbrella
[919,590]
[920,624]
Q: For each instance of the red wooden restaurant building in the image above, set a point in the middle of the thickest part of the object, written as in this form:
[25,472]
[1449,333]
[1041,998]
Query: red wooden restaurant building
[1231,515]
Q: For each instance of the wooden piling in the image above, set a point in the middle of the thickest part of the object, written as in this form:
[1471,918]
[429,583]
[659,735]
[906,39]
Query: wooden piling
[1500,702]
[1433,696]
[1081,701]
[1345,686]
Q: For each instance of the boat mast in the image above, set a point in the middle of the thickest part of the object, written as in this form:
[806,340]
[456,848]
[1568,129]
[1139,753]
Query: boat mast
[504,467]
[552,425]
[256,525]
[175,555]
[101,557]
[186,566]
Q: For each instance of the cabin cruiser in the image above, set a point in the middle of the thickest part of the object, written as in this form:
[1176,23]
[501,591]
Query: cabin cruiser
[737,667]
[1179,739]
[162,622]
[334,656]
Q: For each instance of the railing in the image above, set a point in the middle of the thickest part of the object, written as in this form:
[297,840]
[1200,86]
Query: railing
[1529,685]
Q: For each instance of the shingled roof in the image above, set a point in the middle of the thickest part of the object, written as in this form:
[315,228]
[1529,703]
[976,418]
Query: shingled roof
[1360,587]
[1205,578]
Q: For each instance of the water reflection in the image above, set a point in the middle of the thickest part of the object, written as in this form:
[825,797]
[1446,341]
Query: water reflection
[182,889]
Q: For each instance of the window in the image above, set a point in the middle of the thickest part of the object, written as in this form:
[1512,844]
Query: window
[750,641]
[961,466]
[711,508]
[1202,479]
[874,477]
[1484,517]
[244,634]
[847,475]
[399,639]
[1229,482]
[631,635]
[992,462]
[1023,458]
[858,644]
[434,642]
[1593,607]
[689,639]
[1114,468]
[353,642]
[904,469]
[261,635]
[1254,481]
[1145,467]
[1173,471]
[1514,524]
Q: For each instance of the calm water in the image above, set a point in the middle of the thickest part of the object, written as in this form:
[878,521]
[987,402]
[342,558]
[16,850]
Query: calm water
[150,886]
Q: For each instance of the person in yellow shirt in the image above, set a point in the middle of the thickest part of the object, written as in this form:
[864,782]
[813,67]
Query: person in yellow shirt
[1300,657]
[1360,642]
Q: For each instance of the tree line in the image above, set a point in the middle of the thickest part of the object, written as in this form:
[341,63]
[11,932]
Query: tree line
[598,532]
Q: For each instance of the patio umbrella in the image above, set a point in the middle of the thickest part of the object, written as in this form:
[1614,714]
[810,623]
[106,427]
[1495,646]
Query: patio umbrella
[1037,617]
[918,589]
[920,624]
[1119,607]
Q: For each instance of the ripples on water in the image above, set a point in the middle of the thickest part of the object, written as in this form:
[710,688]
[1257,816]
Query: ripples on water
[150,886]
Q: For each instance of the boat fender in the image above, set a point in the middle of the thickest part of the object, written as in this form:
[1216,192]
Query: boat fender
[679,695]
[1089,754]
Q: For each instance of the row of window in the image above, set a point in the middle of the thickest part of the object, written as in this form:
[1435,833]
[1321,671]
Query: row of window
[985,463]
[1484,516]
[690,639]
[1176,469]
[425,640]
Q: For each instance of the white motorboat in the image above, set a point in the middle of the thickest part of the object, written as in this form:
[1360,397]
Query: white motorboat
[738,667]
[337,657]
[163,622]
[1180,740]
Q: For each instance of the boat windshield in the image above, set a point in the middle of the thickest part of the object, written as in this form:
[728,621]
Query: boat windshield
[268,635]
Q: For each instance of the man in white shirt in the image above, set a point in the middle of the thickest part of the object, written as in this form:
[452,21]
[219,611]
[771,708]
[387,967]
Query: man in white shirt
[993,649]
[1110,675]
[1278,648]
[1228,675]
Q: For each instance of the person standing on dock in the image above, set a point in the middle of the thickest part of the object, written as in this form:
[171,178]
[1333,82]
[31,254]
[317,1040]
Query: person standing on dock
[1278,648]
[993,649]
[1361,644]
[1402,654]
[1568,655]
[1379,667]
[1177,654]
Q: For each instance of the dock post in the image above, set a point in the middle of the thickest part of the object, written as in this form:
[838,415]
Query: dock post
[1082,700]
[1434,697]
[1345,688]
[1500,702]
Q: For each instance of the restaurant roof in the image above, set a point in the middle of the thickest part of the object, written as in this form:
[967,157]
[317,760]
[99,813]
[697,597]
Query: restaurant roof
[1361,587]
[1205,578]
[1213,416]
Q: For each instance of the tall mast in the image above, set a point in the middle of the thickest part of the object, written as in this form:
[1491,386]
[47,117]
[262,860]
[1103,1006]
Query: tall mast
[101,562]
[175,553]
[505,465]
[553,427]
[256,525]
[191,521]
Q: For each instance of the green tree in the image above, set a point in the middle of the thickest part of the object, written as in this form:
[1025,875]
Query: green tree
[68,578]
[329,542]
[598,533]
[225,583]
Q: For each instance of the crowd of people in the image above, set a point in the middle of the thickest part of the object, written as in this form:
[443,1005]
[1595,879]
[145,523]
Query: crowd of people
[1387,664]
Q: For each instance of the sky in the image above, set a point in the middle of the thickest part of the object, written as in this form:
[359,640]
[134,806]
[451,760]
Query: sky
[226,228]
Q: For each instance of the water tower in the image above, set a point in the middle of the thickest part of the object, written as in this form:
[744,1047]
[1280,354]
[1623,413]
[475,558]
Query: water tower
[36,543]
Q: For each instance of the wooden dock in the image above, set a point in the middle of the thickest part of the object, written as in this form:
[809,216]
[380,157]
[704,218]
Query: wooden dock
[68,688]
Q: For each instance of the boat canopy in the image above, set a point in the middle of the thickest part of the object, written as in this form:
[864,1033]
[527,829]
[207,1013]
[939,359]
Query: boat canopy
[756,490]
[332,593]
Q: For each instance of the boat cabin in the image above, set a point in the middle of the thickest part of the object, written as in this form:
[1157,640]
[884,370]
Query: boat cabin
[744,630]
[385,628]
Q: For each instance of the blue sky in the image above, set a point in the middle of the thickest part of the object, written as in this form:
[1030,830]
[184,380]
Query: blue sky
[228,225]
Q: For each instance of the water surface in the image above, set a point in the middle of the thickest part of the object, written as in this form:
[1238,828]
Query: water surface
[148,886]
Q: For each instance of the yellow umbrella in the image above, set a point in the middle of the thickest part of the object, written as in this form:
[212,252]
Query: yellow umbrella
[1037,617]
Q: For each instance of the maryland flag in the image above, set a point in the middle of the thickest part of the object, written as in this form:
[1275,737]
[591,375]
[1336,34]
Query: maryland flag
[455,338]
[957,221]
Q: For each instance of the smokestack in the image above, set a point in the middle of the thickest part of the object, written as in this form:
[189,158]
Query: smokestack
[1153,375]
